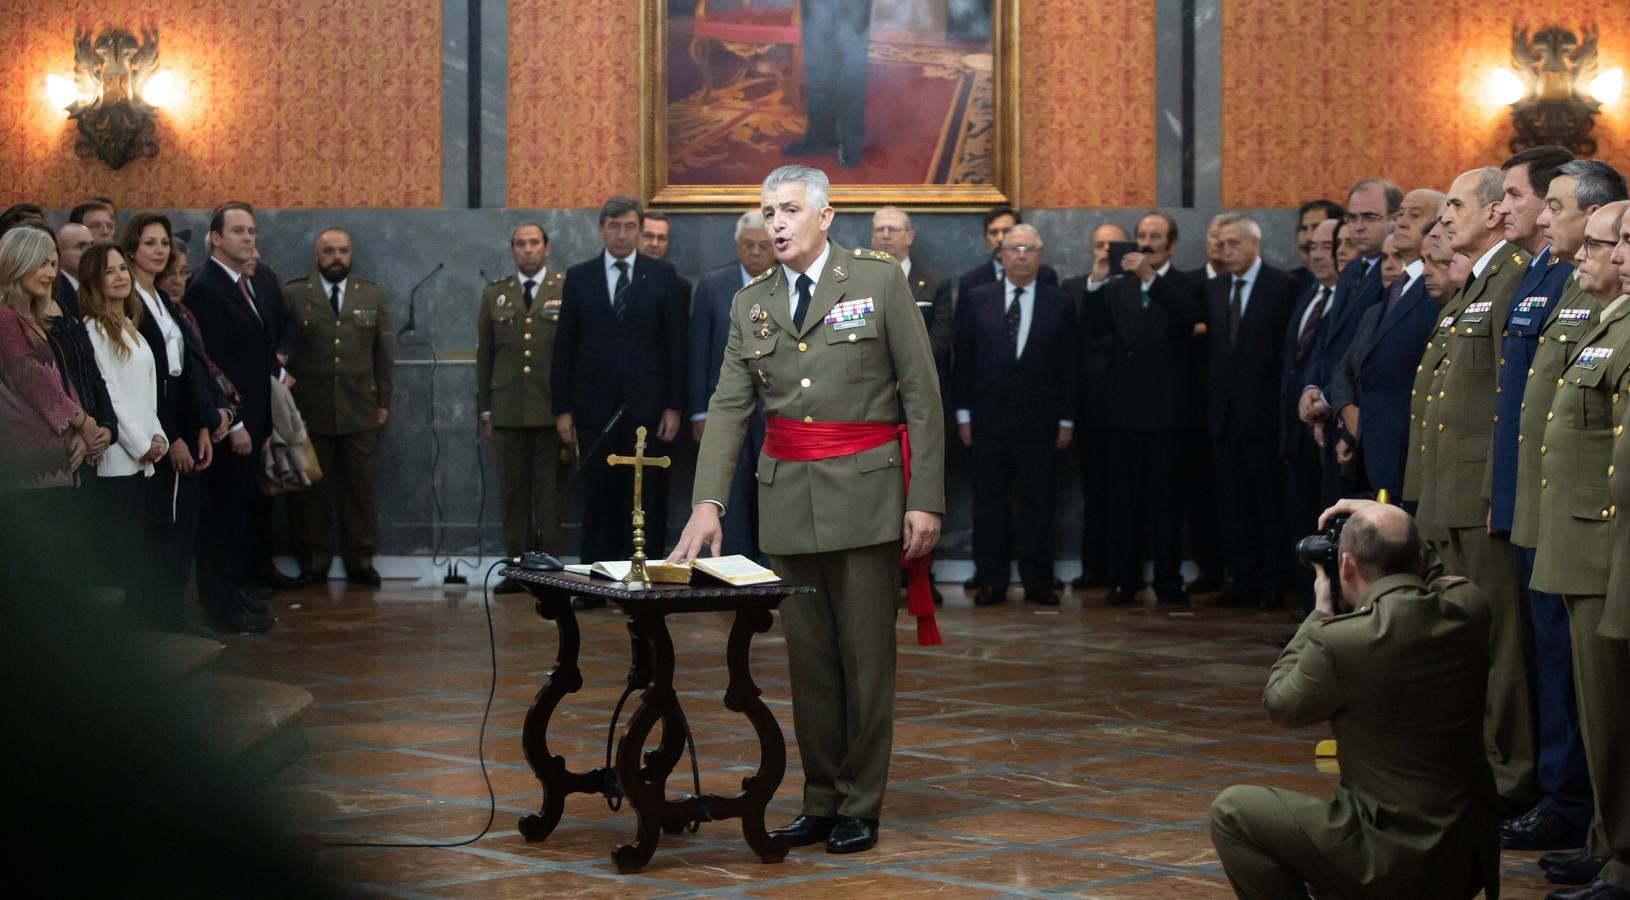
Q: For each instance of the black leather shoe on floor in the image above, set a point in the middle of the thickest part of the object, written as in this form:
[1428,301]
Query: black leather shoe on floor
[253,600]
[1541,829]
[989,597]
[509,586]
[1121,596]
[1558,857]
[1177,599]
[1041,598]
[581,603]
[804,830]
[972,584]
[1596,890]
[241,622]
[939,598]
[852,835]
[369,577]
[1578,871]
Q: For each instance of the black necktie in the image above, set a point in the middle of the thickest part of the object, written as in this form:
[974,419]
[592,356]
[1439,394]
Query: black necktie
[334,298]
[1236,310]
[803,284]
[620,294]
[1013,322]
[1394,291]
[526,292]
[1470,277]
[1311,326]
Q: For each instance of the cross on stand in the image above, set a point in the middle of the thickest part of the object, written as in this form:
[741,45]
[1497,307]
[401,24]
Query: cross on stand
[637,577]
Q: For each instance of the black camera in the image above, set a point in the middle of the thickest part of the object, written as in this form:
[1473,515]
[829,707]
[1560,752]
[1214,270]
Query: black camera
[1323,549]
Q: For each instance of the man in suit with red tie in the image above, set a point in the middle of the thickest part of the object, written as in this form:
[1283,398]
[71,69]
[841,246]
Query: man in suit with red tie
[1016,384]
[619,363]
[239,335]
[1247,310]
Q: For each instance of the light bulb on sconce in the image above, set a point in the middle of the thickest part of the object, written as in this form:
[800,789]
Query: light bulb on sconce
[1607,86]
[1504,87]
[163,90]
[60,92]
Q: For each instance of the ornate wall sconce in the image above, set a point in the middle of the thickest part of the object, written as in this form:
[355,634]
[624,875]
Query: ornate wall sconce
[114,93]
[1554,88]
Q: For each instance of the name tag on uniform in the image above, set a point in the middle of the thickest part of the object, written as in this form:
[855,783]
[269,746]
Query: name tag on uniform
[1572,317]
[849,311]
[1521,321]
[1590,357]
[1529,304]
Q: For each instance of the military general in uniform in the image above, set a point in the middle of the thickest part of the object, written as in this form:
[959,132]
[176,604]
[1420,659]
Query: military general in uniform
[515,336]
[1576,525]
[831,341]
[342,367]
[1401,680]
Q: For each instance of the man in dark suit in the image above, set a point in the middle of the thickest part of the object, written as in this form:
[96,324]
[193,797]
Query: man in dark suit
[1371,205]
[998,220]
[72,239]
[1092,459]
[1147,316]
[709,330]
[620,348]
[656,234]
[1016,381]
[1247,311]
[238,335]
[1308,215]
[1199,489]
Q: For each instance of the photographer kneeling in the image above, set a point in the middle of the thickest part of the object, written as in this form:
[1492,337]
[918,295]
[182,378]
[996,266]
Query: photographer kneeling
[1401,679]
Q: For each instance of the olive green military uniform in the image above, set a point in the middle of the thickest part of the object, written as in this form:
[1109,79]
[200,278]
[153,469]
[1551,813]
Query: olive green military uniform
[1401,680]
[1616,615]
[834,523]
[1573,317]
[514,345]
[1577,531]
[1463,411]
[342,367]
[1421,467]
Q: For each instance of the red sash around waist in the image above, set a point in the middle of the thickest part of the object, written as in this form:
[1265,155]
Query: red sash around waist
[796,441]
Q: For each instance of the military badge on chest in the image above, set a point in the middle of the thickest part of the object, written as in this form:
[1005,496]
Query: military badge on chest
[1476,311]
[849,314]
[1591,357]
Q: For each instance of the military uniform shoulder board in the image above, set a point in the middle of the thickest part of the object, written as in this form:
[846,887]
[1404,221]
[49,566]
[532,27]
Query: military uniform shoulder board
[760,277]
[363,282]
[1516,258]
[879,255]
[1364,610]
[294,282]
[497,281]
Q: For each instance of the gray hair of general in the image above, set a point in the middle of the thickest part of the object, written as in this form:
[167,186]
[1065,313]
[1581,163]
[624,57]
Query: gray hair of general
[816,185]
[1490,185]
[750,220]
[1027,229]
[1245,221]
[1395,197]
[1596,182]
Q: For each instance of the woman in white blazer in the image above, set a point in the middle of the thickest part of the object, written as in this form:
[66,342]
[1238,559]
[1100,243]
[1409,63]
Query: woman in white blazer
[111,312]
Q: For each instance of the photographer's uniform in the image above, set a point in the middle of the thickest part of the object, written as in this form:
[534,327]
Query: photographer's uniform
[1402,680]
[1463,412]
[1577,520]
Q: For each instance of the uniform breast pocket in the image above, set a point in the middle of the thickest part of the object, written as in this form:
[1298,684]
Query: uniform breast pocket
[859,348]
[756,356]
[1594,399]
[1590,504]
[503,326]
[365,318]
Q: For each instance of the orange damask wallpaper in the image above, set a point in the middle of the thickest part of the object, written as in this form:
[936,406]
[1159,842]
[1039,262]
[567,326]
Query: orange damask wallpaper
[287,103]
[1087,118]
[1316,95]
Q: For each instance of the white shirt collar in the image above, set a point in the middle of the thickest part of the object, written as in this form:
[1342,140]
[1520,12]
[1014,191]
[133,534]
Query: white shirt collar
[905,266]
[1483,261]
[542,274]
[1414,269]
[1164,269]
[1211,271]
[1251,273]
[611,261]
[72,281]
[234,275]
[815,270]
[744,276]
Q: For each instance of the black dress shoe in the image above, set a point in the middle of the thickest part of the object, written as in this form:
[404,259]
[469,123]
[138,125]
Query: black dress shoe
[1557,857]
[987,596]
[808,146]
[804,830]
[1541,829]
[1122,596]
[509,586]
[581,603]
[1596,890]
[1173,597]
[1578,871]
[1041,598]
[939,598]
[309,577]
[253,600]
[972,584]
[240,622]
[369,577]
[1088,580]
[852,835]
[1206,584]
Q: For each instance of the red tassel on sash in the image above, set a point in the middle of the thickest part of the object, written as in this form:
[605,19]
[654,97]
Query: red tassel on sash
[795,441]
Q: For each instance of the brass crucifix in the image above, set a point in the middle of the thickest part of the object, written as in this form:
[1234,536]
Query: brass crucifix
[637,577]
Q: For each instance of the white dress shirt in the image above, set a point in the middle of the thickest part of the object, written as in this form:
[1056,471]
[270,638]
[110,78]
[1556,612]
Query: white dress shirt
[132,383]
[328,291]
[168,327]
[1027,312]
[610,264]
[1250,283]
[1411,273]
[815,270]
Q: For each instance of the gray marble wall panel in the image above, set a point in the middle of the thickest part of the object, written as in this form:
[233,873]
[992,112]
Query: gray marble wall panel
[1207,103]
[455,106]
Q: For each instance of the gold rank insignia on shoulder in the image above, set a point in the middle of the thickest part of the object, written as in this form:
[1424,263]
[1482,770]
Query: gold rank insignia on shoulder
[874,254]
[760,277]
[1553,261]
[1516,258]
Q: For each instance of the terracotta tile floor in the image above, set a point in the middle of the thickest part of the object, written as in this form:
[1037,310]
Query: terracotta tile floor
[1038,753]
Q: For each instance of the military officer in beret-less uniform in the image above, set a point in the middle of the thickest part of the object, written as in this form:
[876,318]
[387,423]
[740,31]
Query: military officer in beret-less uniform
[1576,513]
[832,343]
[342,367]
[1420,471]
[1463,413]
[515,339]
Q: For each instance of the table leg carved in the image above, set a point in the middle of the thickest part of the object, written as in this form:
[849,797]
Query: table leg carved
[550,768]
[656,704]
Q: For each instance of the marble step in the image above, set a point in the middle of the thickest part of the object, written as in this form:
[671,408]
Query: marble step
[258,726]
[175,656]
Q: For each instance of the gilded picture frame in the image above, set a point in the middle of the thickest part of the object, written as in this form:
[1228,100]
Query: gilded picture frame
[723,97]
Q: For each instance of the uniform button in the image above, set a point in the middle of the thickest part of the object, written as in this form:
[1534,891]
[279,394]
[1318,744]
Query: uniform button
[1502,363]
[804,382]
[1544,483]
[808,419]
[1442,394]
[336,342]
[1618,430]
[1550,416]
[1440,426]
[1420,368]
[526,369]
[1560,382]
[758,352]
[527,336]
[1610,471]
[1497,389]
[1496,420]
[1615,398]
[336,360]
[852,338]
[1542,339]
[1423,448]
[1543,449]
[529,320]
[1530,373]
[1413,392]
[1520,438]
[802,346]
[1504,333]
[1523,407]
[526,352]
[1607,513]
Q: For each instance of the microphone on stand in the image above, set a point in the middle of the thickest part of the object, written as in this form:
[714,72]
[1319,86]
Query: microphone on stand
[412,299]
[539,560]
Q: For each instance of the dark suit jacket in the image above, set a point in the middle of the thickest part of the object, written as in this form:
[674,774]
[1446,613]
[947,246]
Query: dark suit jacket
[600,363]
[242,345]
[1295,373]
[1377,374]
[709,329]
[932,287]
[1094,362]
[269,298]
[194,404]
[1245,377]
[1356,291]
[67,296]
[1146,368]
[985,273]
[1022,398]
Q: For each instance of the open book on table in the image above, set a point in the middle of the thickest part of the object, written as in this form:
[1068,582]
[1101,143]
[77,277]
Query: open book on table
[736,571]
